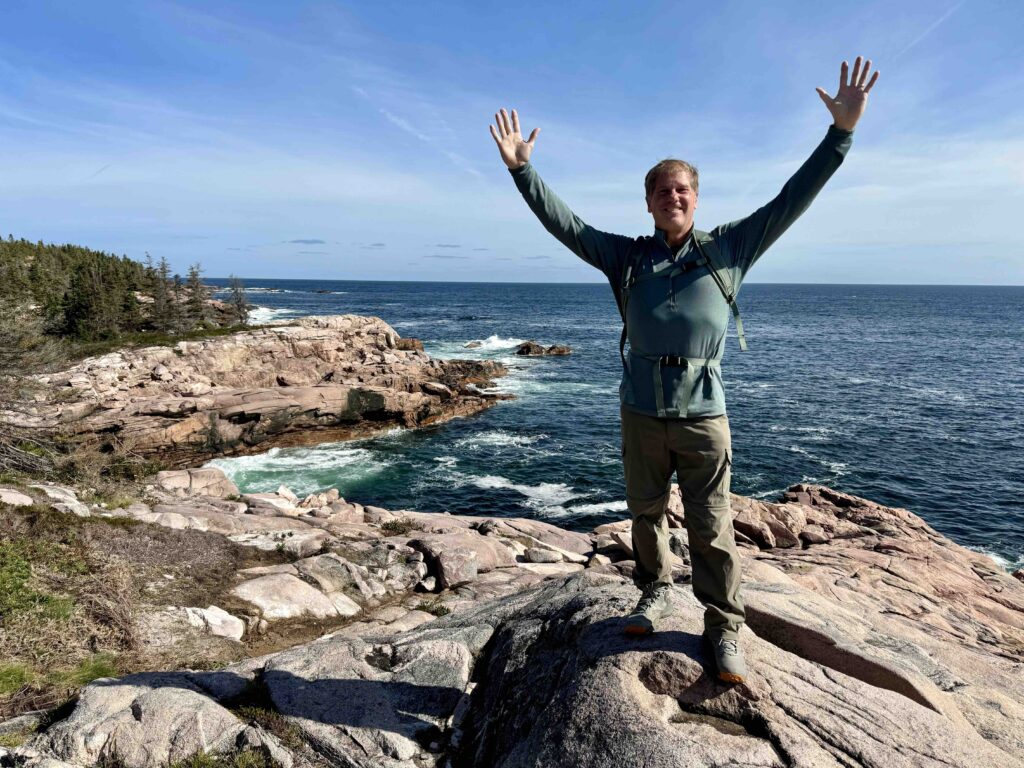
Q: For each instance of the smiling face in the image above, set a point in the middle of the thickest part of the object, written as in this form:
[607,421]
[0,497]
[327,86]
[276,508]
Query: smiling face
[673,202]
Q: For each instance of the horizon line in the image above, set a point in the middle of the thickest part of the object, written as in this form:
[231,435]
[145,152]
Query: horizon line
[538,282]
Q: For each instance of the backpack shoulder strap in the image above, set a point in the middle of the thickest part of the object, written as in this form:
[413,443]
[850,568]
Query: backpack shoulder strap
[722,275]
[625,284]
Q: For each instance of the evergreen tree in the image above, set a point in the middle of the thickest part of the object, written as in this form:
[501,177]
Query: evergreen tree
[197,309]
[161,307]
[179,321]
[238,301]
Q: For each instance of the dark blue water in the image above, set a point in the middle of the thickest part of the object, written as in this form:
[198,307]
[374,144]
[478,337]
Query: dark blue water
[909,395]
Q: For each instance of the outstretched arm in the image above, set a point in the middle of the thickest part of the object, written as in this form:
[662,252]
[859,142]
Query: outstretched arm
[599,249]
[750,237]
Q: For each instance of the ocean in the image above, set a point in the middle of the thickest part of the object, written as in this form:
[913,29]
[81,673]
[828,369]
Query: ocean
[911,396]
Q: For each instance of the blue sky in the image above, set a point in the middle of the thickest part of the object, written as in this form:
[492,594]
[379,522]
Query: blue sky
[349,140]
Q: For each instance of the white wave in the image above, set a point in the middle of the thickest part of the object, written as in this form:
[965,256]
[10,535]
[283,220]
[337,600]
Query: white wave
[599,507]
[1003,562]
[498,438]
[266,290]
[269,315]
[446,462]
[303,470]
[493,342]
[815,431]
[543,496]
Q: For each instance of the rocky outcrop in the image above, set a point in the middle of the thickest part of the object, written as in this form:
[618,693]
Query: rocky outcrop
[322,378]
[873,641]
[533,349]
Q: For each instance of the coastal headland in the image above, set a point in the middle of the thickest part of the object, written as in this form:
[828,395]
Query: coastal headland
[318,379]
[267,629]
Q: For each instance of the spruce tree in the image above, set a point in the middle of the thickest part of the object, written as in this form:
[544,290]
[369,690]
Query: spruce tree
[238,301]
[197,309]
[162,318]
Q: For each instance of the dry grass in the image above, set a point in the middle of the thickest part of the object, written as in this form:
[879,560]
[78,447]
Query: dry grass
[72,589]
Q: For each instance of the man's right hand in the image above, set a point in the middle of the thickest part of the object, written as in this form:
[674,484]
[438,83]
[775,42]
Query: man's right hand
[514,151]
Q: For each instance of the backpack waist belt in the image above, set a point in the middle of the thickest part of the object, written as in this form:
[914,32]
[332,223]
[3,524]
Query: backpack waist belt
[695,366]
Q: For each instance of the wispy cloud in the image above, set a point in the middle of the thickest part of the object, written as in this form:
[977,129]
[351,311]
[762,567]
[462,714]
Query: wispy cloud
[101,170]
[308,241]
[447,245]
[931,28]
[445,256]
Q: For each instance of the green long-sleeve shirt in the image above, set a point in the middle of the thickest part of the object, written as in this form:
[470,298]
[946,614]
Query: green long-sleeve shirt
[691,318]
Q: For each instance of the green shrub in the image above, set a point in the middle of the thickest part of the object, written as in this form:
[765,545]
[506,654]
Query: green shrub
[400,527]
[435,607]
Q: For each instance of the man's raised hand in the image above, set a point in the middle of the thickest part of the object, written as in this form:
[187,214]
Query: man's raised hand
[514,151]
[852,98]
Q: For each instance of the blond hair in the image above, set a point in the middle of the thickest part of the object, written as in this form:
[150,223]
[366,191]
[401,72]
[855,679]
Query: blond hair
[668,165]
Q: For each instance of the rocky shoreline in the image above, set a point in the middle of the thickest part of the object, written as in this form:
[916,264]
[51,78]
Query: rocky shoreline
[323,378]
[320,632]
[467,641]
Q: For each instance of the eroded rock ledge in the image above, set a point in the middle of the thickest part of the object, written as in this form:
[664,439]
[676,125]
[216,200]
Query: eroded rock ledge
[872,641]
[323,378]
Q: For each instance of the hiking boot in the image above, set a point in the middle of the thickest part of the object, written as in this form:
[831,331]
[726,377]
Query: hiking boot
[654,603]
[728,657]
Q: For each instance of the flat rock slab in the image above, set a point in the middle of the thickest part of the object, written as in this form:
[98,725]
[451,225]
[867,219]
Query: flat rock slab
[283,596]
[15,498]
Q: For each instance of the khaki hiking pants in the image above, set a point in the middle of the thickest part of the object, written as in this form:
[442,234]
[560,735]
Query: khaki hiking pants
[699,451]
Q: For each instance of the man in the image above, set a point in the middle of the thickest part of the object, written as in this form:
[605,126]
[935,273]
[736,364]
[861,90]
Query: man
[675,291]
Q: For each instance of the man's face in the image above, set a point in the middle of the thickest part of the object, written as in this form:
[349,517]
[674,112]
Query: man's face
[673,202]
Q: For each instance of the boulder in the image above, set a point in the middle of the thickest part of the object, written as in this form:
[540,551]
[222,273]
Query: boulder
[282,596]
[141,721]
[216,621]
[64,499]
[529,348]
[207,481]
[15,498]
[538,555]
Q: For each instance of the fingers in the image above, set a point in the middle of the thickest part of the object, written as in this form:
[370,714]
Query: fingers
[494,135]
[864,74]
[824,96]
[533,136]
[871,82]
[506,123]
[855,77]
[501,130]
[515,121]
[843,71]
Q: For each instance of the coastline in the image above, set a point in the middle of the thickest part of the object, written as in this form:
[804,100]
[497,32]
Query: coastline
[851,606]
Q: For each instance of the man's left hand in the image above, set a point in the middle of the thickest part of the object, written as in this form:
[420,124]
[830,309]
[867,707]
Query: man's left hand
[852,99]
